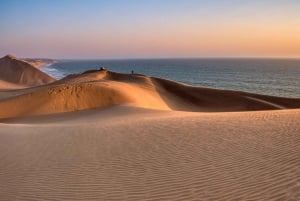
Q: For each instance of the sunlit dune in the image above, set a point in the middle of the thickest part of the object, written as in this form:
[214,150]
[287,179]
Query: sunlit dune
[97,89]
[103,135]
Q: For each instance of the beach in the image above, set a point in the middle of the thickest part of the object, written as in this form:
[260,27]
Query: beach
[104,135]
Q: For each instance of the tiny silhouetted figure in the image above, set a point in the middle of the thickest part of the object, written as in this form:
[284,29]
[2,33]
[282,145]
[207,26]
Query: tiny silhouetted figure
[132,72]
[102,68]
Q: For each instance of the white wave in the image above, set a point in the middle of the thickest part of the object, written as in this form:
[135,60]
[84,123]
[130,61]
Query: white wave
[52,71]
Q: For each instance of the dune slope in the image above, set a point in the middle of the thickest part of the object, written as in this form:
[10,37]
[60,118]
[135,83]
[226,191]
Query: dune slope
[129,153]
[135,137]
[189,98]
[96,89]
[19,72]
[38,63]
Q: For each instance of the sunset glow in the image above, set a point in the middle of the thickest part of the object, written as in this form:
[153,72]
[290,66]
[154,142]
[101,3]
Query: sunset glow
[143,29]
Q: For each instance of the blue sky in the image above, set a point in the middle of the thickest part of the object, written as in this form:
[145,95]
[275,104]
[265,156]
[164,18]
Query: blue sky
[140,28]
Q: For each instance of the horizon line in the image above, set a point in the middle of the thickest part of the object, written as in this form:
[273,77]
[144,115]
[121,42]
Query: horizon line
[157,58]
[167,57]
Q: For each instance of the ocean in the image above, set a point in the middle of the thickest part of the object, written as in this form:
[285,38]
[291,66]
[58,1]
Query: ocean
[277,77]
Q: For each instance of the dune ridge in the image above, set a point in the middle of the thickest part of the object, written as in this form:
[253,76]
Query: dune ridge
[39,62]
[22,73]
[102,88]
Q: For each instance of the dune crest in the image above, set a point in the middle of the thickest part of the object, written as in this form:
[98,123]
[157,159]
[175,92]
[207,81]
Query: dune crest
[22,73]
[102,88]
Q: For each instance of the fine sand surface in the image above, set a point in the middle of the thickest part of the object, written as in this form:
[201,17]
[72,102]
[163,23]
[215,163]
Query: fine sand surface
[129,153]
[103,135]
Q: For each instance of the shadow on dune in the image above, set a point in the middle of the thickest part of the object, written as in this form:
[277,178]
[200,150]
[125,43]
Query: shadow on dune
[102,88]
[188,98]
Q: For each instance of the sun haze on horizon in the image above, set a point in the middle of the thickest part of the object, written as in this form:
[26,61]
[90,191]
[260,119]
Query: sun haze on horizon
[150,29]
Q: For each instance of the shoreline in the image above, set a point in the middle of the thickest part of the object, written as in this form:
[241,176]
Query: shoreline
[214,75]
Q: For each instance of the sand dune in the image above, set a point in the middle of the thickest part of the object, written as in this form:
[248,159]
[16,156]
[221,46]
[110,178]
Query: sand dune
[19,72]
[9,85]
[96,89]
[39,63]
[135,137]
[129,153]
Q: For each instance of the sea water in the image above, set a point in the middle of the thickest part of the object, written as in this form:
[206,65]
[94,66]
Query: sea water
[278,77]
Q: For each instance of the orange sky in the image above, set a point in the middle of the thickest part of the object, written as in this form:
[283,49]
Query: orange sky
[99,29]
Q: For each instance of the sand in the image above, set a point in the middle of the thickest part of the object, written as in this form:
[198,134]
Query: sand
[20,74]
[129,153]
[39,63]
[103,135]
[97,89]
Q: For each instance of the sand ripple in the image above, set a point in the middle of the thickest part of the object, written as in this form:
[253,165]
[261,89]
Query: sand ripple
[154,156]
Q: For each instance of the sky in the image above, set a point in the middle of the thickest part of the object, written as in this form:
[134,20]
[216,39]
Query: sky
[91,29]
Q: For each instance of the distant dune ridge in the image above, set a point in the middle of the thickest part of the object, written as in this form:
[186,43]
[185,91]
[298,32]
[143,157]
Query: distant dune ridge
[39,62]
[19,72]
